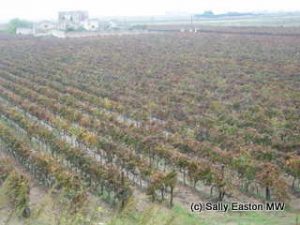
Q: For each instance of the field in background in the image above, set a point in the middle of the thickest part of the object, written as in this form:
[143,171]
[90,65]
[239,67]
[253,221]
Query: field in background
[263,20]
[166,119]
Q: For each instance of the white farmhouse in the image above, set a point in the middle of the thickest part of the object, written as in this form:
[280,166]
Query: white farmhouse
[72,19]
[91,25]
[58,33]
[45,26]
[24,31]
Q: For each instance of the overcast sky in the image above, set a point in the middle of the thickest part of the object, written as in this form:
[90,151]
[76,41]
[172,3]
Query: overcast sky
[47,9]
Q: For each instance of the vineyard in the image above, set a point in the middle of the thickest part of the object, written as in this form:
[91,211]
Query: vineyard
[213,114]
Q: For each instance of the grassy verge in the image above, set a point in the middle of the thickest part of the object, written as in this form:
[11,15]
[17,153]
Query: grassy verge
[49,211]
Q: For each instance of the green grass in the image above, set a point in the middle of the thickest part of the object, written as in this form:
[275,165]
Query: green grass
[152,214]
[249,218]
[178,215]
[156,215]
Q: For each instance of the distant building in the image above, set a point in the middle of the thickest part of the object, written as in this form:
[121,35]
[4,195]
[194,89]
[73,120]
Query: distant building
[91,25]
[113,26]
[72,19]
[24,31]
[45,26]
[58,33]
[71,24]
